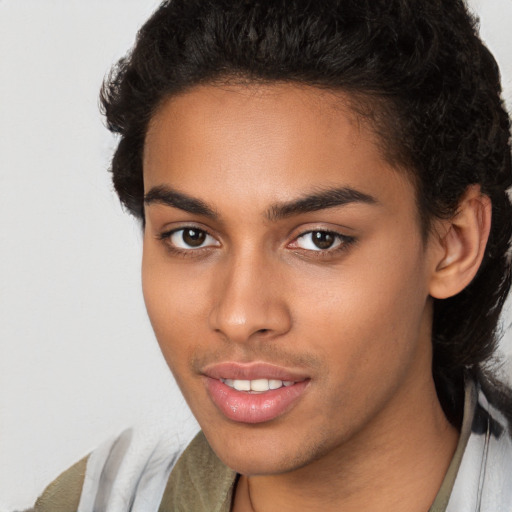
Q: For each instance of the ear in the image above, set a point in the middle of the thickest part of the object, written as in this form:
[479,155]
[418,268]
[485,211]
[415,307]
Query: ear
[460,245]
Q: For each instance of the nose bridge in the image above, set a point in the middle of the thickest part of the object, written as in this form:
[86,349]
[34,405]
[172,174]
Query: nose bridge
[248,300]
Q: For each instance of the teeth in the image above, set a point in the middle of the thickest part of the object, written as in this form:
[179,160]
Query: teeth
[242,385]
[256,385]
[275,384]
[260,385]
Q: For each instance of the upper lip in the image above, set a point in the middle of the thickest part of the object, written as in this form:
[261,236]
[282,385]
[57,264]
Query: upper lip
[251,371]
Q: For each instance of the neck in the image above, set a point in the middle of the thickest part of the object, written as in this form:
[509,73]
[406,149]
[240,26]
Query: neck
[396,463]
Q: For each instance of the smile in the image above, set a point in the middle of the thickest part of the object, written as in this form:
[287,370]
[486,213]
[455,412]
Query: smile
[257,385]
[254,392]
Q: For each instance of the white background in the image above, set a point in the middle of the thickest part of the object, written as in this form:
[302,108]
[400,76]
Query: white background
[78,360]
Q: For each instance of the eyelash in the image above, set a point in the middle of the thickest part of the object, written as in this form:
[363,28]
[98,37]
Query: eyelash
[343,243]
[190,252]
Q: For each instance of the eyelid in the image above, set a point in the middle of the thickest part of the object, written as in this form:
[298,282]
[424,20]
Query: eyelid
[342,242]
[336,240]
[166,237]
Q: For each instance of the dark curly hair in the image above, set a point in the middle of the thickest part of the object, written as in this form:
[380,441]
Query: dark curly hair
[416,69]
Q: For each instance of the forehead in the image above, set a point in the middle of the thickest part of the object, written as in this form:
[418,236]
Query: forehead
[268,140]
[251,115]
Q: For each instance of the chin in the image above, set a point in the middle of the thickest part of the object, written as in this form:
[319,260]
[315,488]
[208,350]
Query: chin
[263,454]
[261,465]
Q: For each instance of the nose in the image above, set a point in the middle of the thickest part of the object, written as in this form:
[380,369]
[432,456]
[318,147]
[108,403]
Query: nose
[250,300]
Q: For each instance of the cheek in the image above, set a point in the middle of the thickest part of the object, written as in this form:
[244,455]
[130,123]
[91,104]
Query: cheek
[173,307]
[174,299]
[367,319]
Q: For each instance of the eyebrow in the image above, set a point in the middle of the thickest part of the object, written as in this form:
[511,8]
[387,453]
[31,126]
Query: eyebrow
[164,195]
[322,200]
[319,201]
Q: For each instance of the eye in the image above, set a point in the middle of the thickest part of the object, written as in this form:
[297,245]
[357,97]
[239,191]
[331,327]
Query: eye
[320,240]
[190,238]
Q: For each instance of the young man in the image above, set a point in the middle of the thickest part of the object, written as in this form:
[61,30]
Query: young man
[324,189]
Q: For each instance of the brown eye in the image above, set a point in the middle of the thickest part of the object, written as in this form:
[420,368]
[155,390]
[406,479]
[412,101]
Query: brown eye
[191,238]
[194,237]
[323,239]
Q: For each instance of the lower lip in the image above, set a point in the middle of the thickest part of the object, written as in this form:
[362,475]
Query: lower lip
[245,407]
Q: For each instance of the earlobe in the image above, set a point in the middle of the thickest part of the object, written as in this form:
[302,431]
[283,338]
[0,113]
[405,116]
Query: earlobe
[461,245]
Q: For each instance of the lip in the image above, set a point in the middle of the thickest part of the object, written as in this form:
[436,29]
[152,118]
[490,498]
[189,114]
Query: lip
[245,407]
[251,371]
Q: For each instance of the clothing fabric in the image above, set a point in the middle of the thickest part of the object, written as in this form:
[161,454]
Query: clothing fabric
[481,480]
[138,472]
[484,479]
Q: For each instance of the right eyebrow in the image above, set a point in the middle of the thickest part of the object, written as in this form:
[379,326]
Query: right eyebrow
[166,196]
[329,198]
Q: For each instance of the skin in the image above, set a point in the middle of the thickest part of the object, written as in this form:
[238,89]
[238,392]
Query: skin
[368,433]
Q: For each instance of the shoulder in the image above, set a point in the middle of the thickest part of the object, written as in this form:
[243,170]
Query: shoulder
[63,494]
[146,469]
[484,479]
[492,424]
[129,468]
[199,481]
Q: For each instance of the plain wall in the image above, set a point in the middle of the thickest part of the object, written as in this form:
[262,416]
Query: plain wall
[78,359]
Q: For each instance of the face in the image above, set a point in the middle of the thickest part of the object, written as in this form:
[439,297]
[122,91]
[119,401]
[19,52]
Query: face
[284,273]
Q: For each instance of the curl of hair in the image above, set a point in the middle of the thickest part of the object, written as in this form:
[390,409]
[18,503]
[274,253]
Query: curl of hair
[416,69]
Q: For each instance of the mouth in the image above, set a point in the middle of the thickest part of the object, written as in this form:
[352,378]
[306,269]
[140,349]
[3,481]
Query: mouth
[257,385]
[254,393]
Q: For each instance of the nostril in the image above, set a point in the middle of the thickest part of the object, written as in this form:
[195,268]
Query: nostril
[262,331]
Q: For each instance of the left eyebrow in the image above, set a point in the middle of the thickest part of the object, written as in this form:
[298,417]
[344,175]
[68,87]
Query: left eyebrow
[164,195]
[319,201]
